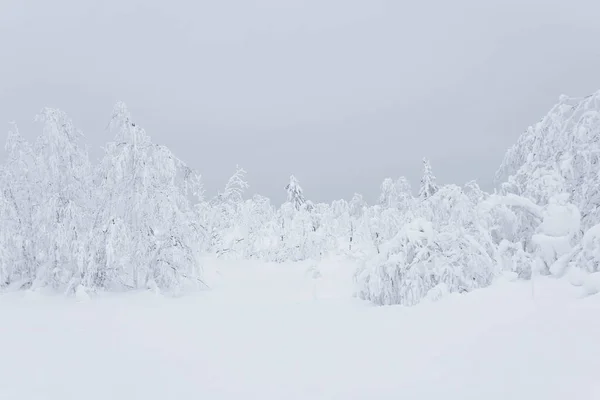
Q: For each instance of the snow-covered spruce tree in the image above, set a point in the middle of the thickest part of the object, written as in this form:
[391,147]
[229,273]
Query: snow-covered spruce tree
[308,232]
[428,185]
[295,194]
[144,233]
[223,217]
[297,226]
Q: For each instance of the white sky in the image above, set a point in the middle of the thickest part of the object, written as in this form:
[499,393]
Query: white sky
[341,93]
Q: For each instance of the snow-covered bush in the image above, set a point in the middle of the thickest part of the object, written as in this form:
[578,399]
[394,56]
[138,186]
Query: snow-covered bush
[587,257]
[444,246]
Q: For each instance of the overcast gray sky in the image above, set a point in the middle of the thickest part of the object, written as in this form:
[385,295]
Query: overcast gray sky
[341,93]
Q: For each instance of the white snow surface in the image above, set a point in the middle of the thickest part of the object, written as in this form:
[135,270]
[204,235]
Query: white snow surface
[269,331]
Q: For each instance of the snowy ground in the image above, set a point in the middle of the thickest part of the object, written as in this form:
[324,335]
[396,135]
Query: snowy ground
[265,332]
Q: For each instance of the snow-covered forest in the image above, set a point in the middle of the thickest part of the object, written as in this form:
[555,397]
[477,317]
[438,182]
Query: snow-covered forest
[140,219]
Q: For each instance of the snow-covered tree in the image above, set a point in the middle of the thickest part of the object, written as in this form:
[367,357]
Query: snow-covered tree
[405,195]
[260,237]
[561,153]
[388,197]
[356,210]
[46,203]
[18,213]
[428,185]
[145,233]
[138,219]
[235,187]
[222,216]
[295,194]
[64,179]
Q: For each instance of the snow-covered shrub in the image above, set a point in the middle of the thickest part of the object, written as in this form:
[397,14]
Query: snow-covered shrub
[586,256]
[557,233]
[445,246]
[511,257]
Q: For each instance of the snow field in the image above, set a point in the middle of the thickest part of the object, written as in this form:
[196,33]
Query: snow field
[266,331]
